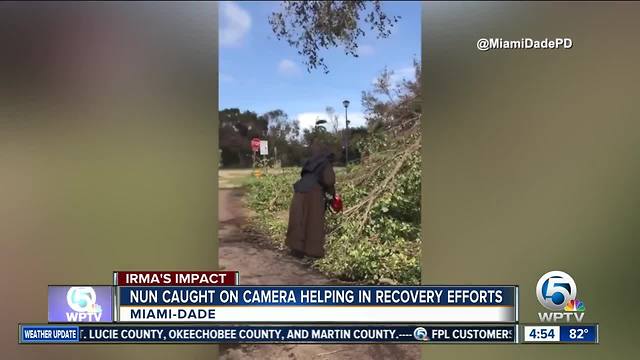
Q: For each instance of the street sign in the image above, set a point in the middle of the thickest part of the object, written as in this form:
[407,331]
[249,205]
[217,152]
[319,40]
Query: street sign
[264,147]
[255,144]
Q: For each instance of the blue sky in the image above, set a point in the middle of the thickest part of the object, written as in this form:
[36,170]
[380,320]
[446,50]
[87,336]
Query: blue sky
[260,73]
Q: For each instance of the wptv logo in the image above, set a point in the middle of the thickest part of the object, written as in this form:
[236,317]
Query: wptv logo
[83,303]
[556,291]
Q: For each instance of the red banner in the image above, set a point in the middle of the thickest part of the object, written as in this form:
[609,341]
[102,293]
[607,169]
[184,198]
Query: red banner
[176,278]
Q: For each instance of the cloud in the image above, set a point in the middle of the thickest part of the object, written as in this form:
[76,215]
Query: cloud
[366,50]
[356,119]
[235,24]
[406,73]
[288,67]
[307,120]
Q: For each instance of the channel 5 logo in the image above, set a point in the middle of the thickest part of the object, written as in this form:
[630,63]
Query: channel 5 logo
[74,304]
[556,291]
[420,334]
[82,300]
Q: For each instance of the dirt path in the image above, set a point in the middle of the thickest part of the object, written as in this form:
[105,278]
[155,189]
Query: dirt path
[261,264]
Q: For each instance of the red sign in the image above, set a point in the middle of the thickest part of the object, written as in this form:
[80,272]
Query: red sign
[176,278]
[255,144]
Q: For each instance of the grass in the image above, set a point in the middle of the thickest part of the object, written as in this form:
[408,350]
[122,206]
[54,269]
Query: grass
[233,178]
[385,250]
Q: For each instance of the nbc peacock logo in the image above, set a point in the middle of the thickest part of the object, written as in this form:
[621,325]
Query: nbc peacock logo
[574,305]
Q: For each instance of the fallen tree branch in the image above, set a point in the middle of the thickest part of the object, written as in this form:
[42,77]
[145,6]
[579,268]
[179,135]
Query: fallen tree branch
[379,190]
[404,155]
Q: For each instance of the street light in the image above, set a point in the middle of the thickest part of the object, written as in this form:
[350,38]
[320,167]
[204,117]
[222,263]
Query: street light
[346,121]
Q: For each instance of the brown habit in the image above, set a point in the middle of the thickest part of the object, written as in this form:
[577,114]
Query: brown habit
[306,229]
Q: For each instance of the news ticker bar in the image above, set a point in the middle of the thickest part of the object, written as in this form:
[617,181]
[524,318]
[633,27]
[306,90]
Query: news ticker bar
[331,334]
[216,334]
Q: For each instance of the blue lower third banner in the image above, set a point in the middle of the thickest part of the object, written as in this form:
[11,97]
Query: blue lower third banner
[120,334]
[318,304]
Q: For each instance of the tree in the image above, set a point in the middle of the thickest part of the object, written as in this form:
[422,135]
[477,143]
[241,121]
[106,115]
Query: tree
[284,135]
[332,119]
[394,104]
[236,131]
[280,127]
[313,26]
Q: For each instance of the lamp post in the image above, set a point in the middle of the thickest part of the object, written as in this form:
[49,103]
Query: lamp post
[346,142]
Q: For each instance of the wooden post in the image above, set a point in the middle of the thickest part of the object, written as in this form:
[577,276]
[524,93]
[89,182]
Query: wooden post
[275,156]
